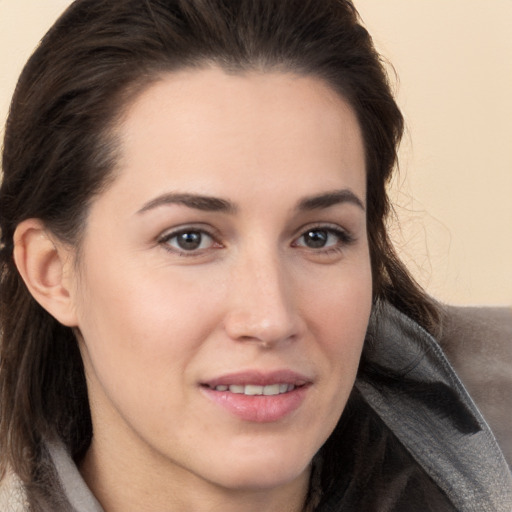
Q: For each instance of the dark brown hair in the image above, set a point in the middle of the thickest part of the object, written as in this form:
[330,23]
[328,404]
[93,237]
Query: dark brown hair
[60,151]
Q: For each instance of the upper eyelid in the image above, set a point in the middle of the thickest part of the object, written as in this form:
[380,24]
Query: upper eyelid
[345,238]
[165,238]
[171,232]
[327,226]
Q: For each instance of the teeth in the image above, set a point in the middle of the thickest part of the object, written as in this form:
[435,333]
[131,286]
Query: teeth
[271,390]
[252,390]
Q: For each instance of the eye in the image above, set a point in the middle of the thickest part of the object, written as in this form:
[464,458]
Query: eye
[188,240]
[323,238]
[318,238]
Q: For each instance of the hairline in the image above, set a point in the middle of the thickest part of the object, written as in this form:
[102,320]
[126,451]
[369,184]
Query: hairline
[150,75]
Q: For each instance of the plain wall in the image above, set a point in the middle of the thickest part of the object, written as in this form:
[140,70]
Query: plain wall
[454,192]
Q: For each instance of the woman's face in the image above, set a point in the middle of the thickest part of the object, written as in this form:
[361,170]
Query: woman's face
[224,286]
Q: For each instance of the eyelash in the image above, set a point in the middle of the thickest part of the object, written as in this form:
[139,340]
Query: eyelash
[344,237]
[167,237]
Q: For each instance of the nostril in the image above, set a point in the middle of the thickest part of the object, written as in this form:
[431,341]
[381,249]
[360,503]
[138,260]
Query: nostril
[265,322]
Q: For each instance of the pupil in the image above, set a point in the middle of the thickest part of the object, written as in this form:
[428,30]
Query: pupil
[189,241]
[316,239]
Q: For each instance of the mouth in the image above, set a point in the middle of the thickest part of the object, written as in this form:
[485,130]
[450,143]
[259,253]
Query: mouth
[259,397]
[257,390]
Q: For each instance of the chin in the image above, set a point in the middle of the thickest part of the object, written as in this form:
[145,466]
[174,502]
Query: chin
[259,478]
[262,467]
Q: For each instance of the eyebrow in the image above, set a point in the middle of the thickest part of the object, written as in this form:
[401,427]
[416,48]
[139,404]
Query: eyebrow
[329,199]
[216,204]
[198,202]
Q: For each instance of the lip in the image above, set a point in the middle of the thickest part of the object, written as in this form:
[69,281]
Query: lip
[259,378]
[258,408]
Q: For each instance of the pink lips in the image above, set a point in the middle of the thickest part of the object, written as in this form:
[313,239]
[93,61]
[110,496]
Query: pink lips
[258,408]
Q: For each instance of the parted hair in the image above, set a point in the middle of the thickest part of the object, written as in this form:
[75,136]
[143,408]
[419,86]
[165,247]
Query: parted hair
[60,152]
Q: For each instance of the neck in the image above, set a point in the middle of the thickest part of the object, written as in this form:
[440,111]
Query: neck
[120,485]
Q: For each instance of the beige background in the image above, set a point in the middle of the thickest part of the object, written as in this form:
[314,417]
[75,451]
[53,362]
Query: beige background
[454,191]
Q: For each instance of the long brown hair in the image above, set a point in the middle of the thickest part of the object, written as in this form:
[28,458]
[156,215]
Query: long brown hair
[60,151]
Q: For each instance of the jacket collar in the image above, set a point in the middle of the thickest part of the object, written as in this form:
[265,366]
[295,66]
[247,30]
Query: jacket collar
[409,383]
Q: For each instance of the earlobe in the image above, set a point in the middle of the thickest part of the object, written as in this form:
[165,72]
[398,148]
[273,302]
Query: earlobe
[44,266]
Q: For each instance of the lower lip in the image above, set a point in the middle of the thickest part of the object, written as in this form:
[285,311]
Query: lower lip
[258,408]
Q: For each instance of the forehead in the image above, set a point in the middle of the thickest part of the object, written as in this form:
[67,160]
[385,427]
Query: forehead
[210,129]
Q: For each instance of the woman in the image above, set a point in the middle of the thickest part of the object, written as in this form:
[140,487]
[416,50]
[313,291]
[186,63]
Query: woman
[196,272]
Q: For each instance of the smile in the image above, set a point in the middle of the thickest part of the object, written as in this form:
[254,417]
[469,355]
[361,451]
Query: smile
[254,390]
[259,397]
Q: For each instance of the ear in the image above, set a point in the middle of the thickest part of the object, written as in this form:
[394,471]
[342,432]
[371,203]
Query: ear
[46,267]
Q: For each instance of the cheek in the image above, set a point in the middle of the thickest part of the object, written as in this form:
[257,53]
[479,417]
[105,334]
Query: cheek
[141,322]
[340,304]
[140,336]
[337,310]
[338,315]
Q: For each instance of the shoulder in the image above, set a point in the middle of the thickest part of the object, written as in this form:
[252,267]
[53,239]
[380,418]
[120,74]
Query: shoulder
[407,379]
[478,343]
[12,494]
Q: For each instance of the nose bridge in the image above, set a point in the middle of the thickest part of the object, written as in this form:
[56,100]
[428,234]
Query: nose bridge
[261,304]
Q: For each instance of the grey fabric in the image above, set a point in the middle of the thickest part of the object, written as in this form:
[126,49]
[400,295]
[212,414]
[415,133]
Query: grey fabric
[413,388]
[368,469]
[478,343]
[78,495]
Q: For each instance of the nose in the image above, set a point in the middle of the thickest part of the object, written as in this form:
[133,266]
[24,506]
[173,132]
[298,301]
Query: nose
[262,304]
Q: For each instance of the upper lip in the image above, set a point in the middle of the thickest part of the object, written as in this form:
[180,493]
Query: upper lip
[259,378]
